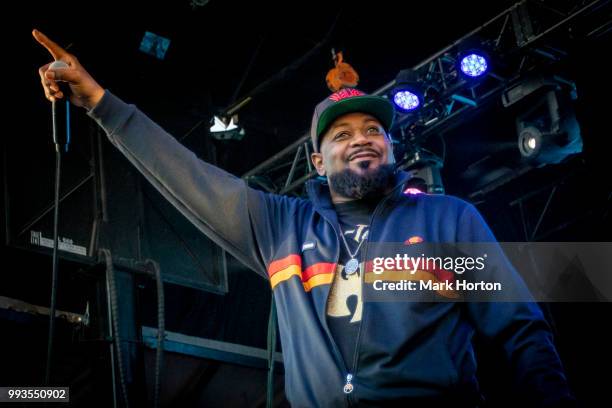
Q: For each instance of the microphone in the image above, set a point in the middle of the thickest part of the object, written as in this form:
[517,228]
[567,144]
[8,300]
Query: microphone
[60,113]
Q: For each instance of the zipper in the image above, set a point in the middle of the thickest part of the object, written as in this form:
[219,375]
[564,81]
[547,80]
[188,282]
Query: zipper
[348,386]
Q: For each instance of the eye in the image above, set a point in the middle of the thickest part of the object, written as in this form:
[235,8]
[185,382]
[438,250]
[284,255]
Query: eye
[374,130]
[341,136]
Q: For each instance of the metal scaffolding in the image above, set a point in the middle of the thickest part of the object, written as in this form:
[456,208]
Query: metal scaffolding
[525,38]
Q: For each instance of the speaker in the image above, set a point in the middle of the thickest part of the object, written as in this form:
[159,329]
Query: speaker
[104,202]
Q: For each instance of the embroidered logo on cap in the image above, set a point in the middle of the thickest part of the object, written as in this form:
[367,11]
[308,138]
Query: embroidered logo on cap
[345,93]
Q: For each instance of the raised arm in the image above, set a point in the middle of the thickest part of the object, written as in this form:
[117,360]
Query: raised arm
[240,219]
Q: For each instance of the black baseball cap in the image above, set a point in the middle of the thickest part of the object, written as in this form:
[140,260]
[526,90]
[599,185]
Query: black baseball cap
[345,101]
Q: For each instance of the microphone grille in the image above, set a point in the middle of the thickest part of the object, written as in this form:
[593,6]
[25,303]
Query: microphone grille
[58,64]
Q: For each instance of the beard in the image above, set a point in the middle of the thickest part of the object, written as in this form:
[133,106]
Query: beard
[374,183]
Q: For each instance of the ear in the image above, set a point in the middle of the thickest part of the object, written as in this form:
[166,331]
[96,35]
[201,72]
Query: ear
[317,161]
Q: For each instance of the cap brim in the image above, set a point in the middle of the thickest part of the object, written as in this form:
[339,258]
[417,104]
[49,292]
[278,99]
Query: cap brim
[377,106]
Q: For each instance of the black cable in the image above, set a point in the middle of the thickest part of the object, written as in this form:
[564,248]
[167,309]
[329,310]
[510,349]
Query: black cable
[271,352]
[112,289]
[60,113]
[161,332]
[58,168]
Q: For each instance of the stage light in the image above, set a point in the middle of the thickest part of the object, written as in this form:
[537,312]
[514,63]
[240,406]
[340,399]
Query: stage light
[474,63]
[407,94]
[413,191]
[529,142]
[406,100]
[423,168]
[224,129]
[547,129]
[154,45]
[474,59]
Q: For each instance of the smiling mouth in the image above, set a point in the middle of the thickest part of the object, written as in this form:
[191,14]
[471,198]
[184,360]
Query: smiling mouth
[368,155]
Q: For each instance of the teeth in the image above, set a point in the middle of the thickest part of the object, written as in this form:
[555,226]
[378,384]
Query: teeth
[368,155]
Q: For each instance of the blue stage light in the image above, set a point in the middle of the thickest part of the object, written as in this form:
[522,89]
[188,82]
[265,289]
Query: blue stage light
[407,94]
[406,100]
[474,65]
[154,45]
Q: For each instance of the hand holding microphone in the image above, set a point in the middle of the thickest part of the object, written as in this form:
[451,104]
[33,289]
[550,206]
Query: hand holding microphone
[84,90]
[60,112]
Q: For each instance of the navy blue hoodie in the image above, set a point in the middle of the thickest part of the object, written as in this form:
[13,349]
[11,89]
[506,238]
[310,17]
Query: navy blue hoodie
[406,351]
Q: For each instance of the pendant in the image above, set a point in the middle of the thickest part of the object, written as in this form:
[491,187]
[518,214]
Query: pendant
[351,266]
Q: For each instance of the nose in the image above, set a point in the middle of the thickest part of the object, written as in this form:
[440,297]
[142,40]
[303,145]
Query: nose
[360,139]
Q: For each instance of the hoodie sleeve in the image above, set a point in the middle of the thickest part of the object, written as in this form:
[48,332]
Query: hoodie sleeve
[222,206]
[519,327]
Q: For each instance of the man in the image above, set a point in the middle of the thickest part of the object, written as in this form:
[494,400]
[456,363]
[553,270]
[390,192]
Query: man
[338,350]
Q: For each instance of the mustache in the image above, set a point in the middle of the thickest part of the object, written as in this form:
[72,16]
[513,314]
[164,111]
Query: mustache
[364,150]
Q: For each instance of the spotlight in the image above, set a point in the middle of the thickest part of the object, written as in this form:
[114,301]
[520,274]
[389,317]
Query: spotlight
[406,100]
[154,45]
[473,63]
[424,170]
[224,129]
[407,94]
[547,128]
[474,58]
[413,191]
[529,142]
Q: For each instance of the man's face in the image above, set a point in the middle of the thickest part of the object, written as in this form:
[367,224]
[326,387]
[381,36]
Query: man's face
[355,141]
[355,145]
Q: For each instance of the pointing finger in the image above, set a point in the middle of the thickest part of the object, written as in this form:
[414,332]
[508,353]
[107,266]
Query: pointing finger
[55,50]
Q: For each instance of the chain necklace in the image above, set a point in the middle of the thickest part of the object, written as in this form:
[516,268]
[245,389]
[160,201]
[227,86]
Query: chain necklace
[353,264]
